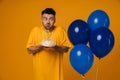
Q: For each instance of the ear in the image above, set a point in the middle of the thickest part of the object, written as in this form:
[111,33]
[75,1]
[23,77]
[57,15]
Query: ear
[55,20]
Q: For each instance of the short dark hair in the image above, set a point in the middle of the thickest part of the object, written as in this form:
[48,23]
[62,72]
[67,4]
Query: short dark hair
[49,11]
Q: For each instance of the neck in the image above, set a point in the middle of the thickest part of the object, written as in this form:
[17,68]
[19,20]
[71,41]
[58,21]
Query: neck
[48,31]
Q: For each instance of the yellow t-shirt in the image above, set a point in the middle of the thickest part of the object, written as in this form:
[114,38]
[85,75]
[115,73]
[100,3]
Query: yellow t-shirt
[48,62]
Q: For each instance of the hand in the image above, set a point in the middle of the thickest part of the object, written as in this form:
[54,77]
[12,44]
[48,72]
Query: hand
[61,49]
[35,49]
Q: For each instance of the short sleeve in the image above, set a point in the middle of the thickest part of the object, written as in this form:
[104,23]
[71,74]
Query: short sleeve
[63,38]
[32,36]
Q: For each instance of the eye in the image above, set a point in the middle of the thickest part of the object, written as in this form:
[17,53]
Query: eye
[52,19]
[44,18]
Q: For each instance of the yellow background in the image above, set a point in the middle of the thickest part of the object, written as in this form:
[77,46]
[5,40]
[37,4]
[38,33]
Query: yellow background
[18,17]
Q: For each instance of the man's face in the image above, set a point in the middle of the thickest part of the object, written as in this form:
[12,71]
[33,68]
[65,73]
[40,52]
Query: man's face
[48,21]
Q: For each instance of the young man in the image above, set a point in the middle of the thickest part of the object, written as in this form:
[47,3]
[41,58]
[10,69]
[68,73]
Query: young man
[47,44]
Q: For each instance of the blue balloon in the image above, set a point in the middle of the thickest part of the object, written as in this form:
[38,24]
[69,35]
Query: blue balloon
[81,58]
[97,19]
[101,41]
[78,32]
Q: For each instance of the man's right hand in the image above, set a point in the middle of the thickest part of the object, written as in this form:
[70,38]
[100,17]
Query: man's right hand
[35,49]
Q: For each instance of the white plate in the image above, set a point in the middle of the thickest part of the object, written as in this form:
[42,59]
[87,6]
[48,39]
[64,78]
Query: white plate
[48,43]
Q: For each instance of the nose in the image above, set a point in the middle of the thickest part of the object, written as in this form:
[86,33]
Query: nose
[48,21]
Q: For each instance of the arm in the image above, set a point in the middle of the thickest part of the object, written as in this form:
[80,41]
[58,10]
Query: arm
[61,48]
[34,49]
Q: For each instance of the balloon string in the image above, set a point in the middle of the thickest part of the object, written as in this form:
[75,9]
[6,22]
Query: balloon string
[97,69]
[83,77]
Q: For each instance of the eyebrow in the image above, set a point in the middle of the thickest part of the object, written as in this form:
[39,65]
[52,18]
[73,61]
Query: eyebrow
[50,17]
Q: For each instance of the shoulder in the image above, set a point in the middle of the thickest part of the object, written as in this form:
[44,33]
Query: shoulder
[36,28]
[59,28]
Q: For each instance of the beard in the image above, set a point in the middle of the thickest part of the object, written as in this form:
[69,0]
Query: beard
[48,27]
